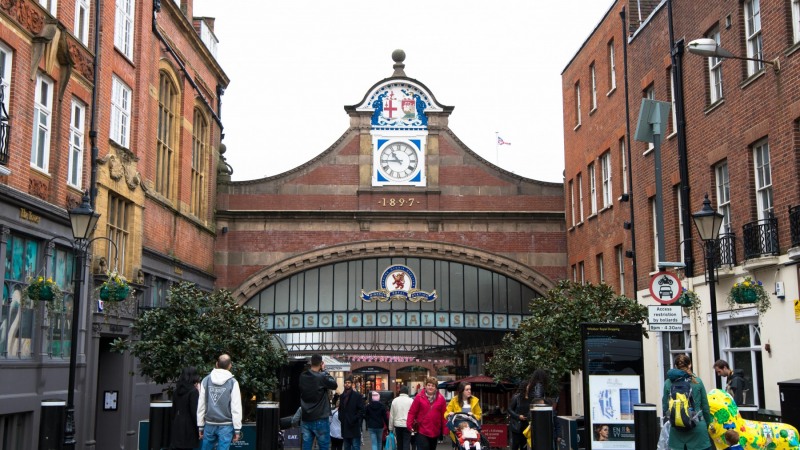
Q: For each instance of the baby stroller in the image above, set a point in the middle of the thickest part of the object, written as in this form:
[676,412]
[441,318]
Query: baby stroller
[455,420]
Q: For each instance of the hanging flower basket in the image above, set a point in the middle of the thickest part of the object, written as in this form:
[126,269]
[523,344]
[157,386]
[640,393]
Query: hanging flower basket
[749,292]
[115,288]
[43,289]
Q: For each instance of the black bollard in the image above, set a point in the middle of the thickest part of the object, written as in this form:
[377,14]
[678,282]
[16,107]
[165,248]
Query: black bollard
[160,425]
[542,427]
[51,424]
[267,425]
[645,426]
[749,412]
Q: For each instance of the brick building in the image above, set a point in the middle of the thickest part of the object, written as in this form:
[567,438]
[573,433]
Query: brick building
[149,111]
[741,133]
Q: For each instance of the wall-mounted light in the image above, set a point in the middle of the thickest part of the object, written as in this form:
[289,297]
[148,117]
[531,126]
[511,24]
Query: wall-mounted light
[627,225]
[625,197]
[709,47]
[629,253]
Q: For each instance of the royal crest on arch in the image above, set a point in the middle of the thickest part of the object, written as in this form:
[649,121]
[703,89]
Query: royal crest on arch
[398,282]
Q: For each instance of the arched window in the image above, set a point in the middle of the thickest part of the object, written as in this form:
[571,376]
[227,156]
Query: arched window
[200,140]
[168,121]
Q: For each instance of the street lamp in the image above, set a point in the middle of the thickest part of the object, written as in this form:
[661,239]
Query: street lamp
[709,47]
[83,220]
[708,222]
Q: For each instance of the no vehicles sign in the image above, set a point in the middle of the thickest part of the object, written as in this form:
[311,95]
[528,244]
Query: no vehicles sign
[665,287]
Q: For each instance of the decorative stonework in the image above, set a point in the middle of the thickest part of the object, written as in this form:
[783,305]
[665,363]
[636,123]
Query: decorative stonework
[122,165]
[81,59]
[27,15]
[38,188]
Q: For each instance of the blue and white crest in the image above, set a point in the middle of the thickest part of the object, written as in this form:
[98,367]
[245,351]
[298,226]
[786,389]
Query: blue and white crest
[398,282]
[399,106]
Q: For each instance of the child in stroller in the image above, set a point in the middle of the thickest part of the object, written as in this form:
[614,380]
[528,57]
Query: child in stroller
[465,432]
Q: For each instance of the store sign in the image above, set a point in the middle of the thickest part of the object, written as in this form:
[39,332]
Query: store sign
[392,319]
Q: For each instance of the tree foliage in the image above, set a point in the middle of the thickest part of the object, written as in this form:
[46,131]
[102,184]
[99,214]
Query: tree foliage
[550,338]
[194,329]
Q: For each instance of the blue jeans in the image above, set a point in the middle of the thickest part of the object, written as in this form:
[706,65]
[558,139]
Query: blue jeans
[219,435]
[376,435]
[352,443]
[321,429]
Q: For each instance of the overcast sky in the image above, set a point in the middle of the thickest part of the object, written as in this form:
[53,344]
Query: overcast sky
[294,65]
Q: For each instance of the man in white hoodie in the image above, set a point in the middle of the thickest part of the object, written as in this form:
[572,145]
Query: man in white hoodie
[219,408]
[397,419]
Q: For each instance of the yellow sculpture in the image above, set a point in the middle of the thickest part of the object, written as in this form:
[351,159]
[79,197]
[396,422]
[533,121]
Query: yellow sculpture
[752,434]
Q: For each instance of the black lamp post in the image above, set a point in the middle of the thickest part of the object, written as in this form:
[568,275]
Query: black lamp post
[83,219]
[708,222]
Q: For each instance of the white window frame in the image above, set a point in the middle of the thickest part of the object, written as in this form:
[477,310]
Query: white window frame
[124,27]
[650,93]
[572,201]
[5,73]
[754,44]
[577,104]
[580,197]
[592,188]
[601,270]
[763,179]
[605,165]
[795,21]
[723,188]
[612,66]
[621,268]
[715,93]
[50,5]
[120,112]
[582,272]
[574,273]
[42,123]
[82,15]
[726,322]
[624,165]
[593,74]
[77,124]
[673,109]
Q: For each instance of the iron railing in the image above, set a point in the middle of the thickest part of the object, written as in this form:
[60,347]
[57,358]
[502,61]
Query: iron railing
[760,238]
[5,128]
[726,250]
[794,224]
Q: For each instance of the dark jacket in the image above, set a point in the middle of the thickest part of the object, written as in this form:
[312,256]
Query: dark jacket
[519,406]
[375,415]
[314,401]
[736,386]
[184,417]
[351,413]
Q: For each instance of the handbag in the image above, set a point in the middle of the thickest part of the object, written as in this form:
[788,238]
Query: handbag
[391,443]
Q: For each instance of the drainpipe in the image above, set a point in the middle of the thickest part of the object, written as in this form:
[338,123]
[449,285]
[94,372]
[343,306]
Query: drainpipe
[628,138]
[93,120]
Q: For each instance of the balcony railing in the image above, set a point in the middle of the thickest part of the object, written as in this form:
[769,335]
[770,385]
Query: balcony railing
[726,250]
[760,238]
[794,224]
[5,128]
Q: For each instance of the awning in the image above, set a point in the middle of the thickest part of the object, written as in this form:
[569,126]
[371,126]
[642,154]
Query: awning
[334,365]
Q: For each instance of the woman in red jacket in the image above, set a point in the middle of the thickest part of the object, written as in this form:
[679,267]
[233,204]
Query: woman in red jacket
[427,415]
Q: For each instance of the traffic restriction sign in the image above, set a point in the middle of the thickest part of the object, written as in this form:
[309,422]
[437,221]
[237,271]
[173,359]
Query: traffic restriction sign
[665,287]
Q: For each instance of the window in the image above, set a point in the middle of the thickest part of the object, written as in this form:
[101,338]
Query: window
[715,71]
[654,221]
[572,202]
[674,343]
[118,231]
[5,92]
[743,338]
[159,293]
[795,21]
[681,238]
[16,321]
[59,332]
[592,189]
[199,163]
[577,104]
[763,179]
[574,273]
[612,67]
[601,271]
[50,6]
[605,167]
[167,134]
[42,116]
[752,25]
[123,27]
[674,115]
[650,93]
[580,197]
[593,75]
[623,158]
[723,187]
[581,273]
[120,112]
[620,268]
[82,21]
[77,123]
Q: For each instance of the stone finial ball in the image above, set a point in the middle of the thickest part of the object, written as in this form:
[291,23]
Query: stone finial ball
[398,56]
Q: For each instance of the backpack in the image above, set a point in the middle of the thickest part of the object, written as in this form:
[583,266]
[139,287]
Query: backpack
[682,413]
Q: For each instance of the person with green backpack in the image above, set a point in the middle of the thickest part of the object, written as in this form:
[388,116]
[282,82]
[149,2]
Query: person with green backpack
[685,407]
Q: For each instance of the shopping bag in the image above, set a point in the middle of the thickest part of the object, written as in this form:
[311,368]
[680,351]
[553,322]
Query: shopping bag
[527,433]
[663,439]
[391,443]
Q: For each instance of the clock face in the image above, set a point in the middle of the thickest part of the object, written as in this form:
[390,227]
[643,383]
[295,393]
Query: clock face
[399,161]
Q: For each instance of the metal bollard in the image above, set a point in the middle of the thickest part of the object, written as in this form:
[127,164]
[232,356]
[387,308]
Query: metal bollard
[748,412]
[645,426]
[267,425]
[160,425]
[51,424]
[542,427]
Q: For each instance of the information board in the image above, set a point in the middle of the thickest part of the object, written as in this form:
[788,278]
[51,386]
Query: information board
[613,378]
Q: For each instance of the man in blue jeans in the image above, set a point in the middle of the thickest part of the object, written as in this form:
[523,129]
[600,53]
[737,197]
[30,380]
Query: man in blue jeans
[314,404]
[219,407]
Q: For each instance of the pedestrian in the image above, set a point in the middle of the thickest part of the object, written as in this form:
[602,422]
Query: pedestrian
[315,403]
[219,408]
[376,417]
[351,413]
[183,434]
[518,411]
[464,402]
[735,381]
[697,437]
[398,413]
[427,415]
[336,427]
[732,439]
